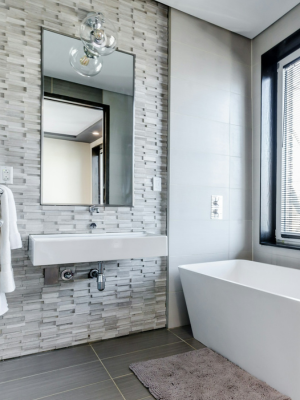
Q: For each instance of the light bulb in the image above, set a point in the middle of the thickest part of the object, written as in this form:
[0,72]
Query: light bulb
[84,61]
[99,34]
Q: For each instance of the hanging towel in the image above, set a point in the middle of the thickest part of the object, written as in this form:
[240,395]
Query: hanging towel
[3,304]
[14,235]
[10,238]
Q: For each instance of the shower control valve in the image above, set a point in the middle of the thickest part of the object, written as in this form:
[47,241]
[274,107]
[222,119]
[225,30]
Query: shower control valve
[216,207]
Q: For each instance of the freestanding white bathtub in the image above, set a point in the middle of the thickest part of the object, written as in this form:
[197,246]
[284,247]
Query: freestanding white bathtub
[250,313]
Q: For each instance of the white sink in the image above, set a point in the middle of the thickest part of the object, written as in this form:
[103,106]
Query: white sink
[76,248]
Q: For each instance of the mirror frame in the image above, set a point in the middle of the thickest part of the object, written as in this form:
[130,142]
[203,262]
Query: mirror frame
[105,137]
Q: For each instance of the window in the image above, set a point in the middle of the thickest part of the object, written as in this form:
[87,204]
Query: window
[288,150]
[279,222]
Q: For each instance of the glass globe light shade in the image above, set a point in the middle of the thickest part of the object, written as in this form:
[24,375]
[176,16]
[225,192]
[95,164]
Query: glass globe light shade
[99,34]
[85,62]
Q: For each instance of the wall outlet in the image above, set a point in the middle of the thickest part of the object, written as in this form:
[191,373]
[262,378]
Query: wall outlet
[6,174]
[216,207]
[156,184]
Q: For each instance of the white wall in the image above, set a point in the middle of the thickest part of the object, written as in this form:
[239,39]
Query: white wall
[262,43]
[210,149]
[67,172]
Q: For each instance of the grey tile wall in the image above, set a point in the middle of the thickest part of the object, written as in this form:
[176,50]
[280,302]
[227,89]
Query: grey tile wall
[210,149]
[43,318]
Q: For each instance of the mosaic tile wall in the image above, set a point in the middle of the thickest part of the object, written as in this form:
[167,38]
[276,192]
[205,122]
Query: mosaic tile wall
[43,318]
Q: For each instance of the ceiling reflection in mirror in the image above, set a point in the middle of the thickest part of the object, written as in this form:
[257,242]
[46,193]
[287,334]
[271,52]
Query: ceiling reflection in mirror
[87,128]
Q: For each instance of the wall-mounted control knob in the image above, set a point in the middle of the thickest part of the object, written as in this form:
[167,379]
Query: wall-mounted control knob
[93,225]
[67,275]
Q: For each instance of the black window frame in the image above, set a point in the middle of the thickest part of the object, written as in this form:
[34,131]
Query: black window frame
[268,143]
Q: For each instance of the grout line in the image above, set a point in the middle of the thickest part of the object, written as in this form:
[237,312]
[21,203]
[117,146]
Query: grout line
[169,330]
[121,376]
[137,351]
[108,372]
[176,335]
[47,372]
[71,390]
[190,345]
[183,340]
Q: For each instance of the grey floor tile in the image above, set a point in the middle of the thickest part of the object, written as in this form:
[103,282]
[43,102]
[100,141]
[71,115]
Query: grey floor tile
[184,332]
[119,366]
[195,343]
[132,388]
[50,361]
[53,382]
[100,391]
[135,342]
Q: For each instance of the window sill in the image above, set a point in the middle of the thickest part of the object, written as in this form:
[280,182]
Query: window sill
[282,245]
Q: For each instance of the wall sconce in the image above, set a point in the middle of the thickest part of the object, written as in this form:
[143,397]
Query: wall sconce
[98,38]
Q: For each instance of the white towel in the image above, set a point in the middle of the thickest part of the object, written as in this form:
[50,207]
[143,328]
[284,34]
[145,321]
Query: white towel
[10,238]
[3,304]
[14,235]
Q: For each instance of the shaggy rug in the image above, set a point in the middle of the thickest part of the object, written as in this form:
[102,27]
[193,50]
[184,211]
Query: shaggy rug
[201,375]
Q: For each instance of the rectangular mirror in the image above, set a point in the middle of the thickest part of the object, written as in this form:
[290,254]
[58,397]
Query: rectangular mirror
[87,128]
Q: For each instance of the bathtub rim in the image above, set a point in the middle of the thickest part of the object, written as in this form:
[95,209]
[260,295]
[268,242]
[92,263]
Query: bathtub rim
[185,267]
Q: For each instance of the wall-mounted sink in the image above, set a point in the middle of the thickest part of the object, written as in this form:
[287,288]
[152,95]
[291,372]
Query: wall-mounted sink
[76,248]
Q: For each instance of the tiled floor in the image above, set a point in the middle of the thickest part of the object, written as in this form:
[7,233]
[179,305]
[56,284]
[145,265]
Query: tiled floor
[98,371]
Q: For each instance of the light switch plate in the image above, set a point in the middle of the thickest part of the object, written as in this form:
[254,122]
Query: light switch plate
[6,174]
[156,184]
[216,207]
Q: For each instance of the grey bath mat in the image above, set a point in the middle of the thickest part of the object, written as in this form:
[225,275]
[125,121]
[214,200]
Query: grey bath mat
[201,375]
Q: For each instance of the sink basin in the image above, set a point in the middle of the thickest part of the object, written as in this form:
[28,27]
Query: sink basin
[76,248]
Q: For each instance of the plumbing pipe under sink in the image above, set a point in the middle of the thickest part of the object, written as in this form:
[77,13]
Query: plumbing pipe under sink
[99,275]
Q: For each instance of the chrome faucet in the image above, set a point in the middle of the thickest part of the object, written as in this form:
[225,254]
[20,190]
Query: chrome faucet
[94,209]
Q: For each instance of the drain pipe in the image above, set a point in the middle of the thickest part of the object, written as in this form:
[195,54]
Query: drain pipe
[99,275]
